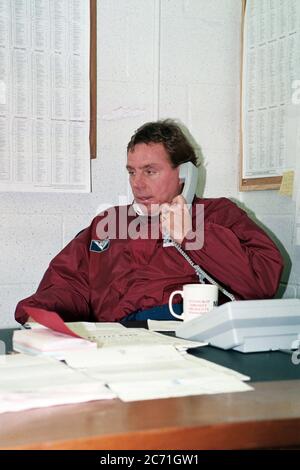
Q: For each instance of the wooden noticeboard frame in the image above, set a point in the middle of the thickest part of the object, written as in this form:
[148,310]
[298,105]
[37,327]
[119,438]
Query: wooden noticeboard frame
[251,184]
[93,78]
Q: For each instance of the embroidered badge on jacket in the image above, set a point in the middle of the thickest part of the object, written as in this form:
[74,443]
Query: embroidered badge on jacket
[99,245]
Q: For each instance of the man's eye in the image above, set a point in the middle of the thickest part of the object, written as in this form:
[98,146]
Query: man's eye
[150,172]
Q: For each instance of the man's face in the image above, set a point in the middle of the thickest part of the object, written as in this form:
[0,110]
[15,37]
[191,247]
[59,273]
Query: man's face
[152,178]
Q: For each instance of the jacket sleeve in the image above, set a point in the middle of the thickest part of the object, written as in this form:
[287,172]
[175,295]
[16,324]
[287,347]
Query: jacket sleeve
[238,254]
[65,285]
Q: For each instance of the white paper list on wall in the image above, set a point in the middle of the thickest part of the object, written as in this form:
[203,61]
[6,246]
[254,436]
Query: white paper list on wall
[45,93]
[271,71]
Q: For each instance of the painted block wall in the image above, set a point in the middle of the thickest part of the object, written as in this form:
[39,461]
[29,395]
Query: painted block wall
[156,59]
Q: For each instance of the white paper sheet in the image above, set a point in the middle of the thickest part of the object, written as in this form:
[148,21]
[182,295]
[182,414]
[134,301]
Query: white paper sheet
[159,325]
[48,342]
[54,396]
[32,382]
[135,364]
[177,387]
[109,337]
[45,93]
[139,355]
[270,67]
[144,372]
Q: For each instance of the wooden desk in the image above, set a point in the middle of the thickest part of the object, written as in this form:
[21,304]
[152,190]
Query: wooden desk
[267,417]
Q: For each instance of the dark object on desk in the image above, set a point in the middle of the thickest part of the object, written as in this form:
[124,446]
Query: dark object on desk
[260,367]
[160,312]
[6,336]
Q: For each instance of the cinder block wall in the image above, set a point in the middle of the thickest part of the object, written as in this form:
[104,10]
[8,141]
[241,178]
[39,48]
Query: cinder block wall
[156,59]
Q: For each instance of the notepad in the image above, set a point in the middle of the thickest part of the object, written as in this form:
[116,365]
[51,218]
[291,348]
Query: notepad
[48,342]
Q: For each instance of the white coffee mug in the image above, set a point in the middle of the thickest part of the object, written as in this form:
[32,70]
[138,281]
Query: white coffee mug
[198,299]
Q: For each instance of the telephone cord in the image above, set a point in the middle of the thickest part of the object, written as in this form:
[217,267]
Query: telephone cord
[199,271]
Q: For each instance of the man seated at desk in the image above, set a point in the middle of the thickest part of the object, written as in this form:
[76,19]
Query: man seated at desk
[114,277]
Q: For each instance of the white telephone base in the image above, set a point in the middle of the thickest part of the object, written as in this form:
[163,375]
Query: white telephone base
[248,325]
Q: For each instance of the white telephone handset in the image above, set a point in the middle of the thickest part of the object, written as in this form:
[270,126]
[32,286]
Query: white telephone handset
[188,175]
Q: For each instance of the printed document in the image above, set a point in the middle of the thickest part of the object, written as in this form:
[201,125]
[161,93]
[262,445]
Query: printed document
[143,372]
[48,342]
[271,70]
[44,96]
[35,381]
[138,364]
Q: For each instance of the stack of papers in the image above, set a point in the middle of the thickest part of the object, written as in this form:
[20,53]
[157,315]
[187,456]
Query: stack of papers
[106,334]
[106,360]
[35,381]
[110,335]
[144,372]
[48,342]
[44,341]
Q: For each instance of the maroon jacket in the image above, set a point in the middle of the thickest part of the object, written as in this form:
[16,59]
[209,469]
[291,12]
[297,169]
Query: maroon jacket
[127,275]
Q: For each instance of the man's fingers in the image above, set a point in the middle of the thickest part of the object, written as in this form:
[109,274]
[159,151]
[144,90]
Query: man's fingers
[179,200]
[164,208]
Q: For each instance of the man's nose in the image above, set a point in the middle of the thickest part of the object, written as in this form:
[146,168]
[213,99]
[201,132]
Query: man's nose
[138,182]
